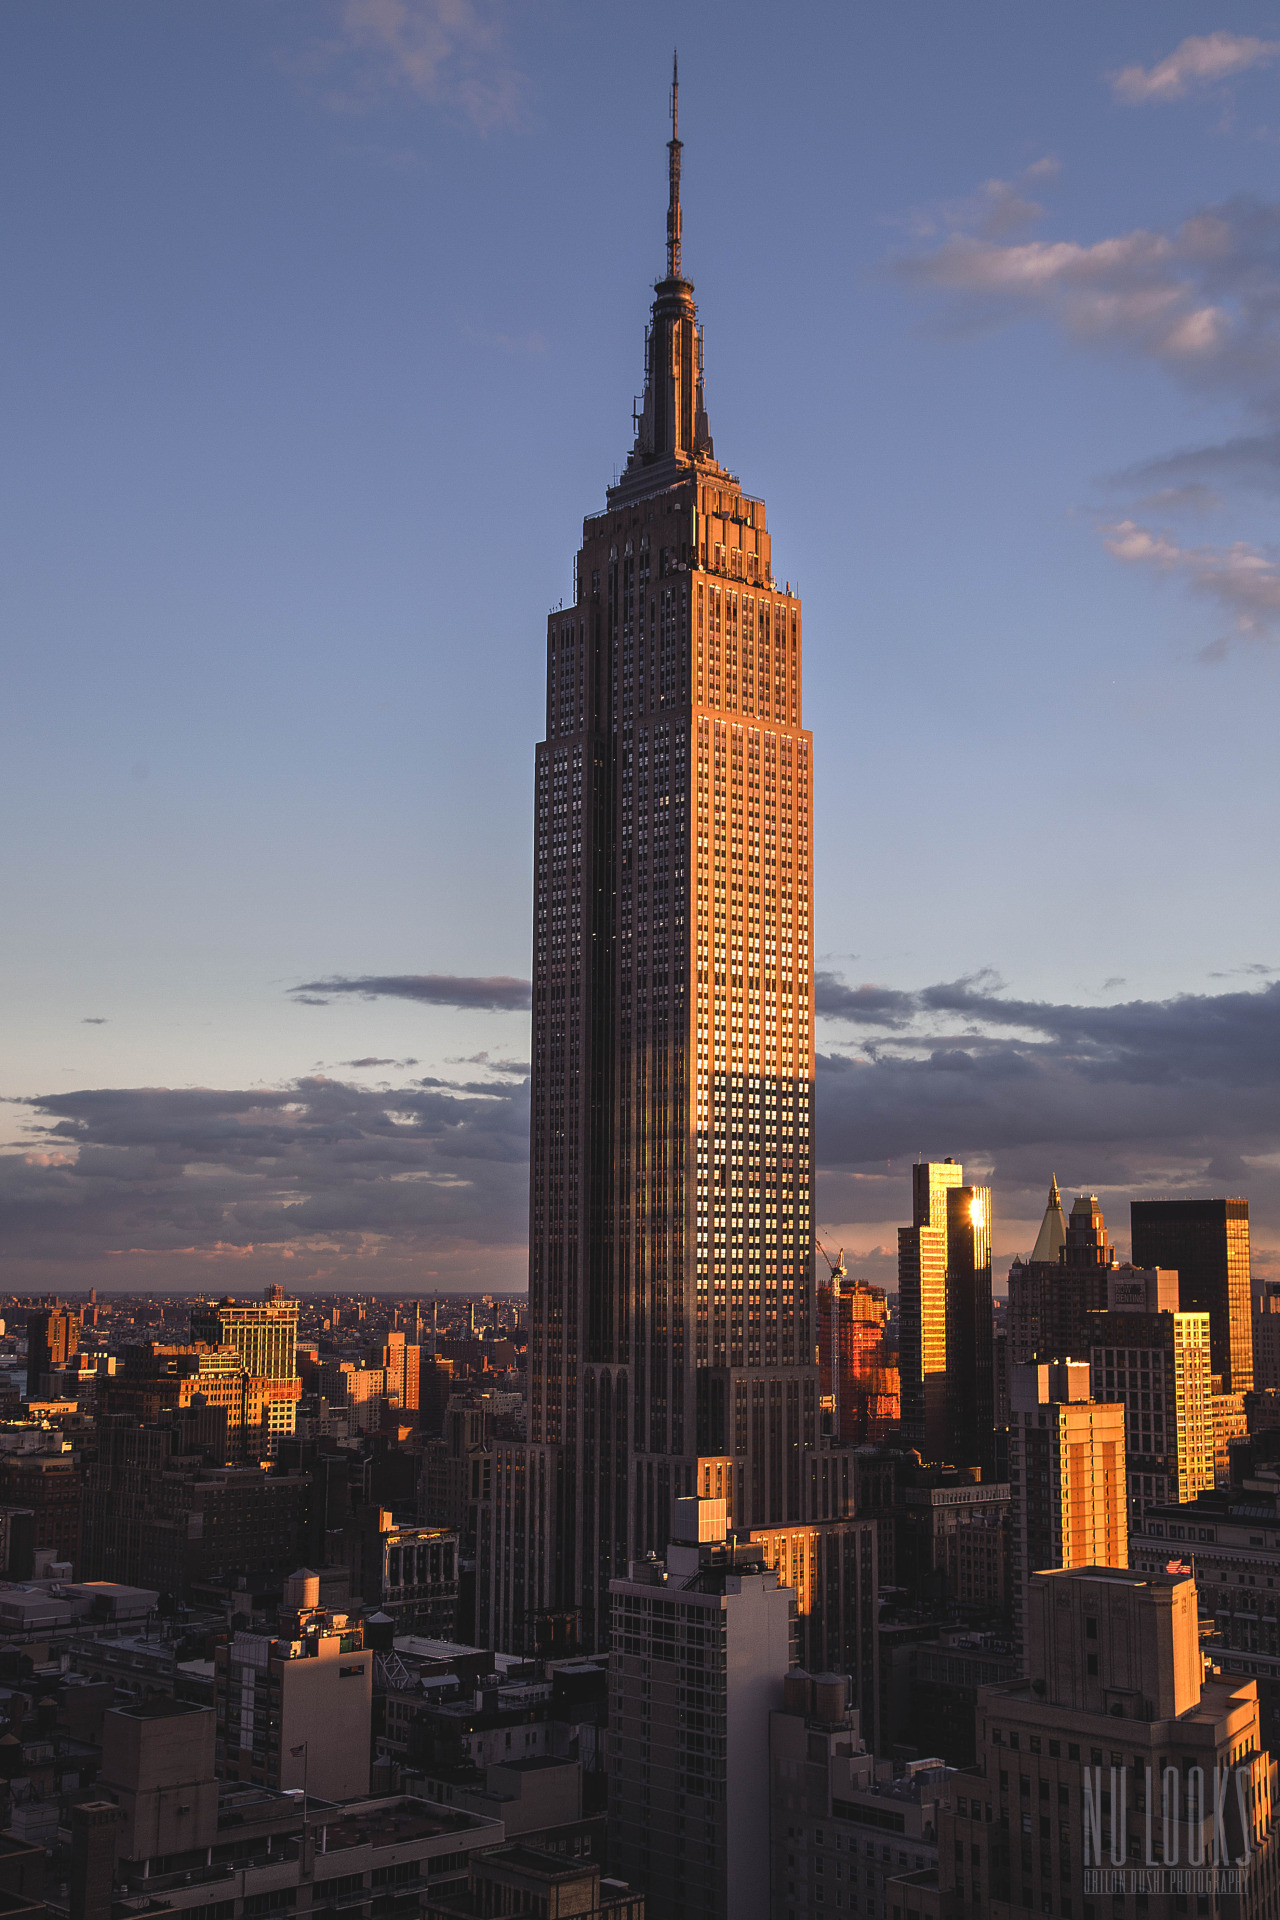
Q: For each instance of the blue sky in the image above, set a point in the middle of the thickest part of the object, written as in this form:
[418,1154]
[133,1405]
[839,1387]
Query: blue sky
[323,323]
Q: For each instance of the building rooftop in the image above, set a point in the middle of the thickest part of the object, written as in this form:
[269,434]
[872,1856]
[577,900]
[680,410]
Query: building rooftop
[159,1707]
[550,1867]
[380,1823]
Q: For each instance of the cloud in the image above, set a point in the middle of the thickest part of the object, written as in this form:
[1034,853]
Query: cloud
[1201,300]
[451,54]
[523,346]
[376,1060]
[339,1178]
[1192,498]
[1245,582]
[497,992]
[94,1020]
[1202,60]
[998,207]
[517,1067]
[322,1182]
[1247,460]
[1163,1096]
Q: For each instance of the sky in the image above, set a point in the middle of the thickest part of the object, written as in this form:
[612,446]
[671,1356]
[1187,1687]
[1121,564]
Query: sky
[323,322]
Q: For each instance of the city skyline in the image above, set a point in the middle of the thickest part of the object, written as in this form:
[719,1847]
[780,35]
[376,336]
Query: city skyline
[245,886]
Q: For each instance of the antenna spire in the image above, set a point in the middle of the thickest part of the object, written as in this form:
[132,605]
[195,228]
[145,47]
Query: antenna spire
[674,265]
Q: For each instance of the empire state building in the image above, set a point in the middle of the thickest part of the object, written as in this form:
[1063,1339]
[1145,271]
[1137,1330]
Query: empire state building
[671,1313]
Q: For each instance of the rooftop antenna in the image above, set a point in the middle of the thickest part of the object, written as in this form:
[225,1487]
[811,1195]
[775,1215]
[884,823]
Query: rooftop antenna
[674,265]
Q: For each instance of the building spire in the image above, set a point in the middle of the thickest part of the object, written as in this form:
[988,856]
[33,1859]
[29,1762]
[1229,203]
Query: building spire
[674,265]
[1052,1237]
[671,423]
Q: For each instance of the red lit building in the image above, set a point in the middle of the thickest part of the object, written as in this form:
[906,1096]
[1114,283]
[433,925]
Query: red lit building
[853,1366]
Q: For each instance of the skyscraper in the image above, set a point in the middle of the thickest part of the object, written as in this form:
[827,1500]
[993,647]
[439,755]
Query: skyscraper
[670,1277]
[1067,1469]
[1155,1359]
[862,1389]
[1207,1242]
[689,1714]
[53,1335]
[970,1348]
[944,1300]
[922,1307]
[1052,1295]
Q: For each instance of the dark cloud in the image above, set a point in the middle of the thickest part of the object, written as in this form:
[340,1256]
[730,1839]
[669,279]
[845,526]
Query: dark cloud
[94,1020]
[1168,1095]
[322,1181]
[498,992]
[391,1185]
[376,1060]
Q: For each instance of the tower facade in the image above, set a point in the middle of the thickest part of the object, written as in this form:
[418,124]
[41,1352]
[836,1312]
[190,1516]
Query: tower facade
[1207,1243]
[1067,1466]
[264,1334]
[670,1281]
[922,1305]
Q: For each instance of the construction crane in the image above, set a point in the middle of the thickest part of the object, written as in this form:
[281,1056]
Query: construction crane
[837,1265]
[837,1268]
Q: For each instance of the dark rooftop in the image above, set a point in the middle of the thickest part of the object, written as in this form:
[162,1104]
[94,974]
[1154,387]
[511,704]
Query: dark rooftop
[159,1707]
[379,1825]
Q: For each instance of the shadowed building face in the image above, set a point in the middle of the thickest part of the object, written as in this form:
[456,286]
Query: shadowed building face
[1207,1242]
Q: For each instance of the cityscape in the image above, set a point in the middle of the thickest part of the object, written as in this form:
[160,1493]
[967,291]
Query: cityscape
[743,1555]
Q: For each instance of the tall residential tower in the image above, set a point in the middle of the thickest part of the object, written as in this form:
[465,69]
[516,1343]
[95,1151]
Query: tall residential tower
[670,1279]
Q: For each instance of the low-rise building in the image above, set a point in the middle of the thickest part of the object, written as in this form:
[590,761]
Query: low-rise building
[410,1573]
[156,1510]
[526,1880]
[295,1707]
[843,1824]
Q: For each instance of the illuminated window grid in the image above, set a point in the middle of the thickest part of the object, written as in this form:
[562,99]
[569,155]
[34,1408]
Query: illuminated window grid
[751,860]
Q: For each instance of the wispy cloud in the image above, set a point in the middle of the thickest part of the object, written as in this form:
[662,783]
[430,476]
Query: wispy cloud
[998,207]
[520,346]
[1200,299]
[1238,578]
[498,992]
[1248,460]
[452,54]
[376,1060]
[94,1020]
[1202,60]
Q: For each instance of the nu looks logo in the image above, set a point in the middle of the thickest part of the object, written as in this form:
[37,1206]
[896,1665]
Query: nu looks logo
[1187,1848]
